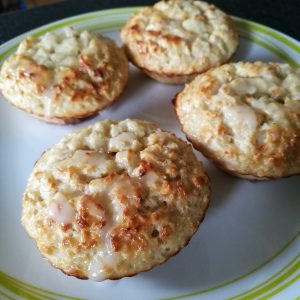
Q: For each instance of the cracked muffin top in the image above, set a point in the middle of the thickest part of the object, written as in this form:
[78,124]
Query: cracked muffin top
[115,199]
[245,117]
[64,76]
[175,40]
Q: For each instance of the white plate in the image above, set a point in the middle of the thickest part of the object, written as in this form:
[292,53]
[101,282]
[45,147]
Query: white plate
[248,246]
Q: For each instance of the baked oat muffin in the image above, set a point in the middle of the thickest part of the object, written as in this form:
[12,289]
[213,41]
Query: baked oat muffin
[175,40]
[246,118]
[64,77]
[115,199]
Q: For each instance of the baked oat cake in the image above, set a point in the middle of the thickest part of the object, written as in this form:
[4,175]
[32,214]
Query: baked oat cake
[65,76]
[175,40]
[245,117]
[115,199]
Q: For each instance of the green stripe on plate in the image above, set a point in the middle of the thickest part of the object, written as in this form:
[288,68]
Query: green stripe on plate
[284,56]
[272,258]
[245,24]
[6,296]
[8,52]
[280,289]
[16,286]
[17,291]
[25,289]
[85,17]
[264,283]
[273,282]
[71,21]
[111,26]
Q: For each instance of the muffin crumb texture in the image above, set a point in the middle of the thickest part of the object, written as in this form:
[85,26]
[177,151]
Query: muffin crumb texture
[177,39]
[64,76]
[114,199]
[246,118]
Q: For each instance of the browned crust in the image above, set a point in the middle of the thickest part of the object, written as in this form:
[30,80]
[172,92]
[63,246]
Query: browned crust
[72,119]
[43,81]
[64,121]
[175,78]
[80,275]
[200,147]
[59,120]
[172,78]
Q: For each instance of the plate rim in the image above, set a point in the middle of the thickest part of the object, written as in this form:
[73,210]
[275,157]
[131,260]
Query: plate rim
[287,40]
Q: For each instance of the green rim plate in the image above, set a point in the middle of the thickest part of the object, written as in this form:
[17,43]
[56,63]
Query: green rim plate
[285,277]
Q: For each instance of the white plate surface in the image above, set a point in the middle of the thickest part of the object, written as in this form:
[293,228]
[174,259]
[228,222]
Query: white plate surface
[249,244]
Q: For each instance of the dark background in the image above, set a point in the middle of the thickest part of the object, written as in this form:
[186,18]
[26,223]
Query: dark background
[278,14]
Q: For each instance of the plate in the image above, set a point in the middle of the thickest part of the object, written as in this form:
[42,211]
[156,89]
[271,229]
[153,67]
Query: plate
[249,244]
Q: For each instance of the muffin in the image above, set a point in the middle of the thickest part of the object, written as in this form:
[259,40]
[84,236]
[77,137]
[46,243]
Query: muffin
[115,199]
[64,77]
[245,117]
[175,40]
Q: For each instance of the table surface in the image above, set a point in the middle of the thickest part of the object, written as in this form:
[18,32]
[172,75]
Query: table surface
[278,14]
